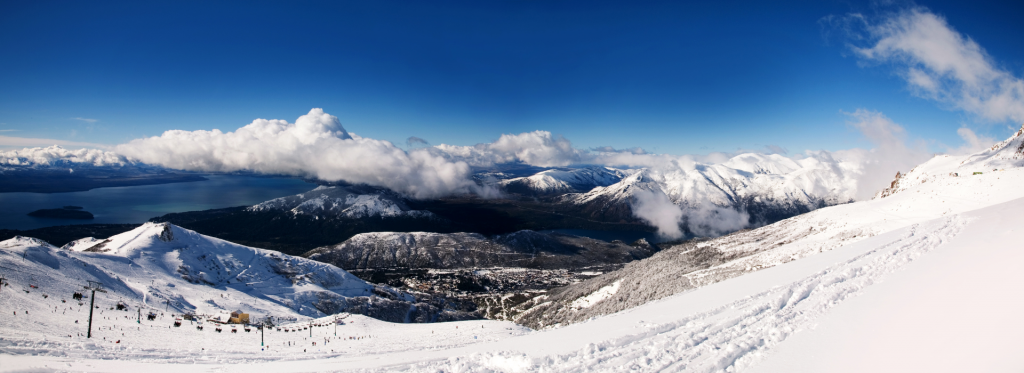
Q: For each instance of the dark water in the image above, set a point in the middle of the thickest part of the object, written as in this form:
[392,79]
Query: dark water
[624,236]
[136,204]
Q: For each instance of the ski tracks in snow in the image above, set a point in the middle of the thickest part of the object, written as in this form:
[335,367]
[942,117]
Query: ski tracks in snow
[732,337]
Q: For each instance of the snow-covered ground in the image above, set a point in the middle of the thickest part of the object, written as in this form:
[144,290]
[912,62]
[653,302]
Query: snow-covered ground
[931,281]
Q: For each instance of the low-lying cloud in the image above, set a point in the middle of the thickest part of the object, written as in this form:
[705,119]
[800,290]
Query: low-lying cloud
[654,208]
[316,145]
[537,148]
[892,152]
[57,156]
[702,218]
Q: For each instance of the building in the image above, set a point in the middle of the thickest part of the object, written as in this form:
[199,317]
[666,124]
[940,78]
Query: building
[239,317]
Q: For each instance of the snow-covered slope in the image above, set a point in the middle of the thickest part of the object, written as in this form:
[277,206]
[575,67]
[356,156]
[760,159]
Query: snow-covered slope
[81,244]
[163,262]
[344,202]
[167,267]
[1007,154]
[558,181]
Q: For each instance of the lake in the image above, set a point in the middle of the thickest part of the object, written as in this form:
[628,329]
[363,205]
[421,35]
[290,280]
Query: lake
[137,204]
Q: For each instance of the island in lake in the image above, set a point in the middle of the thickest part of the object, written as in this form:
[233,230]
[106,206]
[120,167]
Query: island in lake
[68,212]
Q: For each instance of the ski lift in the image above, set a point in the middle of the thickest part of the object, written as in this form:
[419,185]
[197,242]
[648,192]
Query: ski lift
[76,296]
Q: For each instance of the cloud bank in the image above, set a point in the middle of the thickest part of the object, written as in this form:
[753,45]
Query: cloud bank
[316,145]
[56,155]
[537,148]
[940,63]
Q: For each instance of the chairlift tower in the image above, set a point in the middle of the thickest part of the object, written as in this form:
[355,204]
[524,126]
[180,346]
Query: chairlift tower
[94,286]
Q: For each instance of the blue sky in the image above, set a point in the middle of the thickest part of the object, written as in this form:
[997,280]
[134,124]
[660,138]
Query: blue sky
[670,77]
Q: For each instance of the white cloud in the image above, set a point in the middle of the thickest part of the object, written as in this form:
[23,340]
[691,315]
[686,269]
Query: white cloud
[940,63]
[972,142]
[657,210]
[316,145]
[537,148]
[54,155]
[708,220]
[87,120]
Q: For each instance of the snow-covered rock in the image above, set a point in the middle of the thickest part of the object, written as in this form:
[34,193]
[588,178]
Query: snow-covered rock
[343,202]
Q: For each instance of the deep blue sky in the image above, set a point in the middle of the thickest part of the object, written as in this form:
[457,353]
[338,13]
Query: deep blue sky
[669,77]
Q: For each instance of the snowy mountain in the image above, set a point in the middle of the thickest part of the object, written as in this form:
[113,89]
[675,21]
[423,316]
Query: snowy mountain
[922,280]
[525,249]
[351,202]
[165,266]
[937,188]
[559,181]
[766,187]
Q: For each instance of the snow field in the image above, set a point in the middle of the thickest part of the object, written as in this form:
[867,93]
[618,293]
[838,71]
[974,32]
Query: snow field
[729,334]
[956,309]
